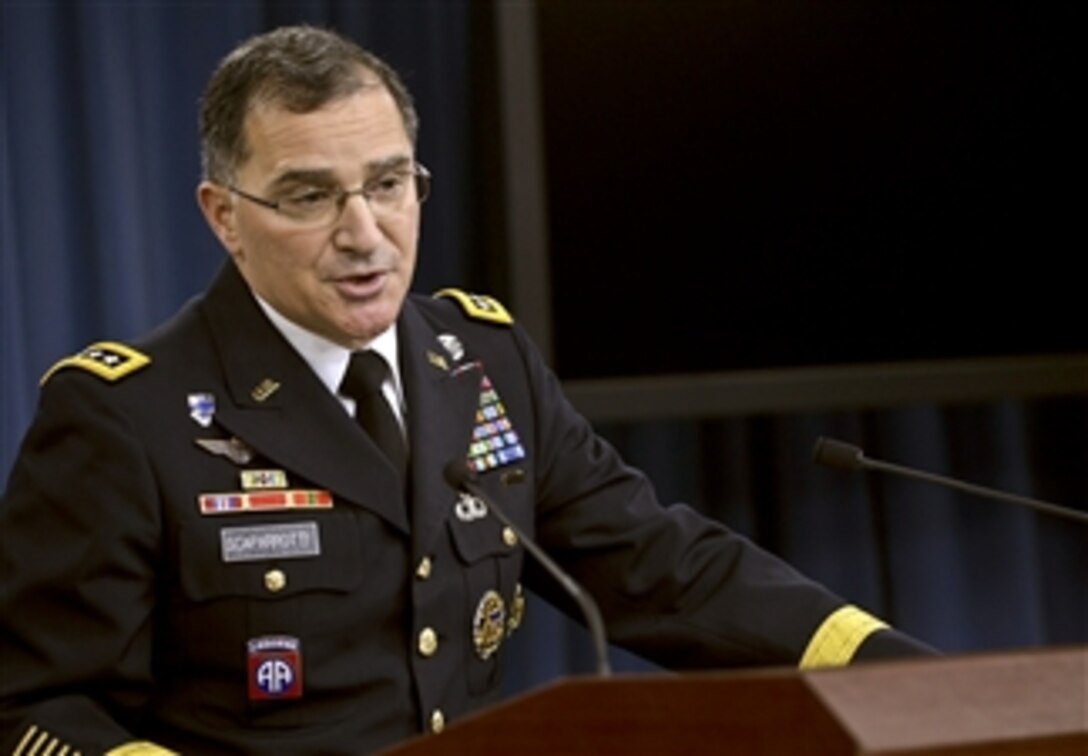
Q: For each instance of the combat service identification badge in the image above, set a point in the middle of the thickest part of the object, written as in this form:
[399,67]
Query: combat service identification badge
[275,668]
[201,408]
[489,624]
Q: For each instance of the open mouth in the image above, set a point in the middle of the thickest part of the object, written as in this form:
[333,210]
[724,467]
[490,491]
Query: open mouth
[361,286]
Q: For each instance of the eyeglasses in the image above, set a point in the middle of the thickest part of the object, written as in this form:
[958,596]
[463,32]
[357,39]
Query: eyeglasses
[387,194]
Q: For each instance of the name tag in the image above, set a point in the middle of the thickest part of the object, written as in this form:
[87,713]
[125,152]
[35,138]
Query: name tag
[292,540]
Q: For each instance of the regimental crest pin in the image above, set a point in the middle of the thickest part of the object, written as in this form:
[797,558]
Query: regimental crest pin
[452,345]
[517,611]
[202,408]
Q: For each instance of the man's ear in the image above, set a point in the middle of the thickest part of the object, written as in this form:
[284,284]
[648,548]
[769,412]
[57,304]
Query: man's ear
[219,211]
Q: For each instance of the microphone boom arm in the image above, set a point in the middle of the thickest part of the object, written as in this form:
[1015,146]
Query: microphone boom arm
[845,456]
[971,488]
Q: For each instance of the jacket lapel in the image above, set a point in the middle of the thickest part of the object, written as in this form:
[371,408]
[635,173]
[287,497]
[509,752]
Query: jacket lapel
[281,409]
[442,395]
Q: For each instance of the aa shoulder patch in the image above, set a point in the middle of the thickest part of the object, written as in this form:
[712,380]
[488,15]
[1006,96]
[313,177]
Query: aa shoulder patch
[106,359]
[478,306]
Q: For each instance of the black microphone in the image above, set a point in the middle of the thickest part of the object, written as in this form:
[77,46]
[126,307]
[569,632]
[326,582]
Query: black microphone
[463,479]
[843,456]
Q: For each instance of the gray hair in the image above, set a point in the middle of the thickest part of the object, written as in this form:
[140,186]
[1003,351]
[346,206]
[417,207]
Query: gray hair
[300,68]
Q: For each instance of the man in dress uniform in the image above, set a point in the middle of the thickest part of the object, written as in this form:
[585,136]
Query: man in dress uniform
[238,535]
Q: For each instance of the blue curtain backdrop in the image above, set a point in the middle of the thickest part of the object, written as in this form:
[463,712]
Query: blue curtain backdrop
[101,238]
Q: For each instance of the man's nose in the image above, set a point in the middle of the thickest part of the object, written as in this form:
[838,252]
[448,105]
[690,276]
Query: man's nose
[358,225]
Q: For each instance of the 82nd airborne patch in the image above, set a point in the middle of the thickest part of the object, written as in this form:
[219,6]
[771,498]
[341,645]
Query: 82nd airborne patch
[275,668]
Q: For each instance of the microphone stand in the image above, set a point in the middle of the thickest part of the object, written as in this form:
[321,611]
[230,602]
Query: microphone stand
[461,478]
[845,456]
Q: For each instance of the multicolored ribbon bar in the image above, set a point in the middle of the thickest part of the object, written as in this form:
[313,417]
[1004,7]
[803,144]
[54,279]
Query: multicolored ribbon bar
[264,501]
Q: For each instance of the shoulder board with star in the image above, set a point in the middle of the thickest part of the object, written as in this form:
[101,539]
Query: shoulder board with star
[106,359]
[478,306]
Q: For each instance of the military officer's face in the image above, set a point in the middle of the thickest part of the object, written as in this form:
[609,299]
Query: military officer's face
[342,273]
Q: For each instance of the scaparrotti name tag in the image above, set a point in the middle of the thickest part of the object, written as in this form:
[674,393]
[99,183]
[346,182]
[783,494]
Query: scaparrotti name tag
[290,540]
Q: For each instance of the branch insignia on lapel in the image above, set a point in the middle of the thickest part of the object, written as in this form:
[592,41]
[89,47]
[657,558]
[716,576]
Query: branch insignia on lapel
[264,389]
[438,361]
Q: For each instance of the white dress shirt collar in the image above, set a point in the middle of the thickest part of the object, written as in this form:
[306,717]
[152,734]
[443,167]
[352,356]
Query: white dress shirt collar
[329,360]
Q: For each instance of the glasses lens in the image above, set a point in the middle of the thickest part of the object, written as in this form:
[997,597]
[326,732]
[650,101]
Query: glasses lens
[311,206]
[321,205]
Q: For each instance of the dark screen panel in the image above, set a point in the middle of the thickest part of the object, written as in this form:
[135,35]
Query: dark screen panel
[739,185]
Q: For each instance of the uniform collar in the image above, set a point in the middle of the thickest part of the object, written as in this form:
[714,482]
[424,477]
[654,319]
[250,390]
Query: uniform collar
[328,359]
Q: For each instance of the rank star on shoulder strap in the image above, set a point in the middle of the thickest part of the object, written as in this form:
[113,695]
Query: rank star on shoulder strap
[106,359]
[478,306]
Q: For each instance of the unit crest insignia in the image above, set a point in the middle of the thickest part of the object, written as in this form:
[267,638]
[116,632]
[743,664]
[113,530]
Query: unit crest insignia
[517,611]
[452,345]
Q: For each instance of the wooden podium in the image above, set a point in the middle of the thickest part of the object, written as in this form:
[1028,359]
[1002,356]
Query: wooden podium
[1026,703]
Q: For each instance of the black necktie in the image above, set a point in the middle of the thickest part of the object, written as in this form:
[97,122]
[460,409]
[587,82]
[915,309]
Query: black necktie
[363,380]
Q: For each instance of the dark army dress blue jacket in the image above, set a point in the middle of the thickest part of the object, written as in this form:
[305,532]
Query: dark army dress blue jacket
[201,552]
